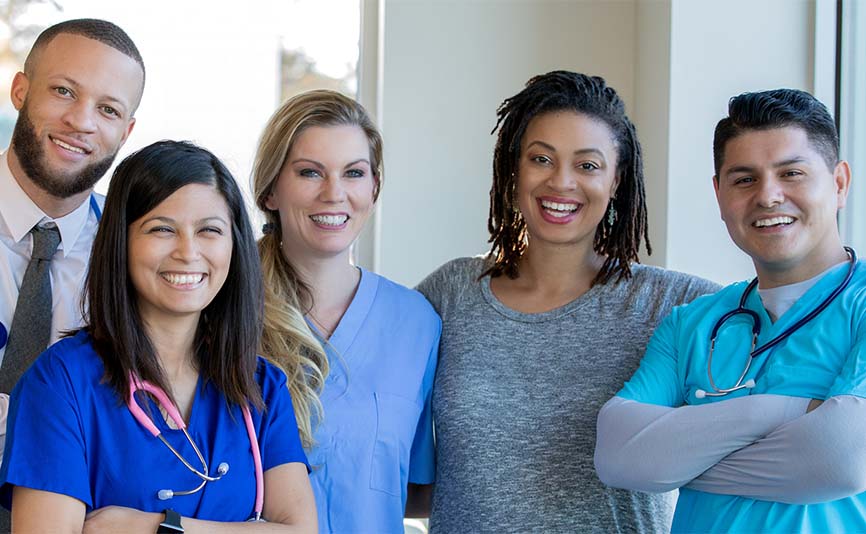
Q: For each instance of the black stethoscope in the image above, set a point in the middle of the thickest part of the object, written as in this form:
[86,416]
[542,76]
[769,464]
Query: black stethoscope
[756,331]
[4,332]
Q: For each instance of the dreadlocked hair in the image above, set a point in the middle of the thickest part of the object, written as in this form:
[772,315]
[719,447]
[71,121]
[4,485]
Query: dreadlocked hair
[557,91]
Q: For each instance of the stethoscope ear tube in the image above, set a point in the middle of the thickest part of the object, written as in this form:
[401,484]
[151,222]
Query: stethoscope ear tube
[741,309]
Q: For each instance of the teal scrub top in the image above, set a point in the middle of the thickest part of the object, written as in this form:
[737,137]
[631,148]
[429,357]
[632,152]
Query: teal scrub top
[377,432]
[824,358]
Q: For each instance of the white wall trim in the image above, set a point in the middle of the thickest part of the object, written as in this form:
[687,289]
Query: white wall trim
[853,121]
[824,53]
[367,250]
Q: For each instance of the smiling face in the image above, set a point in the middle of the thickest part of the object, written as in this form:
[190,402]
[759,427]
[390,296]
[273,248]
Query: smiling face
[324,192]
[779,199]
[566,177]
[179,253]
[75,112]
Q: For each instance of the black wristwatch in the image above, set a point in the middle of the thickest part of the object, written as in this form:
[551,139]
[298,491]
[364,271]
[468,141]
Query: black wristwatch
[171,524]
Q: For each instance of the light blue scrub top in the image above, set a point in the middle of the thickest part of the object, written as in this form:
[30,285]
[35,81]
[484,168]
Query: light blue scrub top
[377,431]
[824,358]
[69,433]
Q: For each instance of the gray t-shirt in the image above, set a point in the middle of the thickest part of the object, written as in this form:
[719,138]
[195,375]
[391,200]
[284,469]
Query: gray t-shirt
[516,397]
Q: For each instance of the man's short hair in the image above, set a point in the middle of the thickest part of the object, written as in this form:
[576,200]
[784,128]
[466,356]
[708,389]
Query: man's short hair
[778,108]
[99,30]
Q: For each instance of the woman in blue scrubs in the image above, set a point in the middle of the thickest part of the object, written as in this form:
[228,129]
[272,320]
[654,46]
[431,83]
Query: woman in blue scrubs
[317,176]
[175,298]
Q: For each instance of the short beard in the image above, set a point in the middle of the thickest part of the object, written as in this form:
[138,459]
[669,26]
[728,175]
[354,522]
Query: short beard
[31,157]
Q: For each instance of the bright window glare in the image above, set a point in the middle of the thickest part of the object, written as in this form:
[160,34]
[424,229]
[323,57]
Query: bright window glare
[330,39]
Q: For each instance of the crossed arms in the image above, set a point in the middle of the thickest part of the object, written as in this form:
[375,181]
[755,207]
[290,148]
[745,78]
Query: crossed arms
[763,447]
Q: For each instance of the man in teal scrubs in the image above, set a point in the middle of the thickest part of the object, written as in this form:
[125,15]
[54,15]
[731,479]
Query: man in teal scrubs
[761,432]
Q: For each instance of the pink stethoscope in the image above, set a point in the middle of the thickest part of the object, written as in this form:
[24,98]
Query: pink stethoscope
[222,469]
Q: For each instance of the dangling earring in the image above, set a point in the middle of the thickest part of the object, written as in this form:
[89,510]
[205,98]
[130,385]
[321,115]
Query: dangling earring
[611,214]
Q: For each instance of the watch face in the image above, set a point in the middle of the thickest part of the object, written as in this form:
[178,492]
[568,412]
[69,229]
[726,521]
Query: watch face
[171,524]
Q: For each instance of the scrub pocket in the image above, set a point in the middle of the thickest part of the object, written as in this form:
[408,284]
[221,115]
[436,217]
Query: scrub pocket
[396,422]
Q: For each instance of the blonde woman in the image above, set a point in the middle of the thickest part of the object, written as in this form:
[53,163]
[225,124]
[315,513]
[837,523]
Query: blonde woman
[317,176]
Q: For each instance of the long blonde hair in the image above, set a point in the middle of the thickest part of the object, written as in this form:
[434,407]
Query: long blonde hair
[287,339]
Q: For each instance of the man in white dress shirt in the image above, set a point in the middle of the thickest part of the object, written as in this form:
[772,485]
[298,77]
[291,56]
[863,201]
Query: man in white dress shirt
[76,99]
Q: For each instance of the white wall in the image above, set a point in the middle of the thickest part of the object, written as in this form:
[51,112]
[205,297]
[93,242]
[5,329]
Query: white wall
[651,115]
[447,66]
[721,49]
[212,74]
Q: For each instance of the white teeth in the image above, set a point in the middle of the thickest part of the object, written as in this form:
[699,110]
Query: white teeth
[182,279]
[558,206]
[330,220]
[773,221]
[67,146]
[559,213]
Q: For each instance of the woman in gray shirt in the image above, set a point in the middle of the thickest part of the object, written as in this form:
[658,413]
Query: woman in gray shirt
[540,332]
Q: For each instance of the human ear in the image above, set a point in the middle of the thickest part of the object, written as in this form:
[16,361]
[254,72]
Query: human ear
[842,181]
[18,93]
[716,189]
[128,131]
[270,203]
[614,186]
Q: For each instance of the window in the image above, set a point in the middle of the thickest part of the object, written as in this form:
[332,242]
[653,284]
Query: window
[852,115]
[215,70]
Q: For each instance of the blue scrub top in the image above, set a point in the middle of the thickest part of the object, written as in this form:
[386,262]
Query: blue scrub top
[377,432]
[69,433]
[824,358]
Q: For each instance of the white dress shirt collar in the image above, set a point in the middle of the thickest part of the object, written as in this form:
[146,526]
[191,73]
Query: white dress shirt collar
[21,214]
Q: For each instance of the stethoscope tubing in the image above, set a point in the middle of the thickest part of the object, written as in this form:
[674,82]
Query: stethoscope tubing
[756,330]
[171,410]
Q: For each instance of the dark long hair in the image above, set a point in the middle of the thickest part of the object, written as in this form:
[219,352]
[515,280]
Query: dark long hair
[588,95]
[229,327]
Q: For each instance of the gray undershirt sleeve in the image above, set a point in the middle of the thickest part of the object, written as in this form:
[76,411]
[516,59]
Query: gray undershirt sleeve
[646,447]
[815,458]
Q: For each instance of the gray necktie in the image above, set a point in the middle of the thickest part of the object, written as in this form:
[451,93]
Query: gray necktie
[30,331]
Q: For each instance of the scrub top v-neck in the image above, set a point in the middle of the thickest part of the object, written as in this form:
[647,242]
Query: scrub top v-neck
[69,433]
[376,435]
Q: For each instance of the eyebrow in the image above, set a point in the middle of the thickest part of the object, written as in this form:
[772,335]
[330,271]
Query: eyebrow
[322,167]
[779,164]
[75,85]
[357,161]
[311,161]
[169,220]
[579,152]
